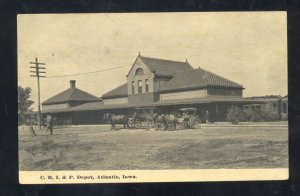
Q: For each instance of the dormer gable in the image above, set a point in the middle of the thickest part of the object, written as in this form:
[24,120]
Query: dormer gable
[138,68]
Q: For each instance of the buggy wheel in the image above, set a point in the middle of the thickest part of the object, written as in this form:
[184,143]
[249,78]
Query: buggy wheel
[185,124]
[196,123]
[149,124]
[130,123]
[138,124]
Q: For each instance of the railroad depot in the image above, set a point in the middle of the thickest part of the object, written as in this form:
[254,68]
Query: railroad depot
[162,86]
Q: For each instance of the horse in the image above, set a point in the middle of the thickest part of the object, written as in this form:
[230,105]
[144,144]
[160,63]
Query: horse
[114,119]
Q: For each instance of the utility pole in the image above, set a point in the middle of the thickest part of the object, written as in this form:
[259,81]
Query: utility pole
[37,70]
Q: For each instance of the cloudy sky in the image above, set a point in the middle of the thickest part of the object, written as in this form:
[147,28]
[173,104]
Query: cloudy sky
[248,48]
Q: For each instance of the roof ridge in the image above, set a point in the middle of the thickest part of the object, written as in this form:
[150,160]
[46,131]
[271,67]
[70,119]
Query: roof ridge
[86,93]
[163,59]
[73,89]
[220,76]
[149,67]
[70,94]
[115,88]
[56,95]
[186,70]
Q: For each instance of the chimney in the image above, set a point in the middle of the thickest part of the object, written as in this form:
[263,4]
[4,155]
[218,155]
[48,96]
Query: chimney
[72,83]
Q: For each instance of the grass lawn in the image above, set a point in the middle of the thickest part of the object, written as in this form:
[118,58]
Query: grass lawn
[99,148]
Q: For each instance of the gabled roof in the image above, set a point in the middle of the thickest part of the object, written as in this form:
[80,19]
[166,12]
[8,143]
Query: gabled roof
[121,91]
[162,67]
[197,78]
[69,95]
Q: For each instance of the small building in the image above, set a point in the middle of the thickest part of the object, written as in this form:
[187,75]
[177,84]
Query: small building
[62,102]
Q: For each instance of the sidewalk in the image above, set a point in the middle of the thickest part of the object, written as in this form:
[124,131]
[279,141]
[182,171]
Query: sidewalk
[260,124]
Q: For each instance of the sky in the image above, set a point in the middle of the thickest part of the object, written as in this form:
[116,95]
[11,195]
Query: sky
[249,48]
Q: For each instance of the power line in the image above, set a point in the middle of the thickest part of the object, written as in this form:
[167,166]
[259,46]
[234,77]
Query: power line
[92,72]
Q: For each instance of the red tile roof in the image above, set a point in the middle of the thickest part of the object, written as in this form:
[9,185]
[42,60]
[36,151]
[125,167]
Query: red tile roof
[71,94]
[197,78]
[162,67]
[121,91]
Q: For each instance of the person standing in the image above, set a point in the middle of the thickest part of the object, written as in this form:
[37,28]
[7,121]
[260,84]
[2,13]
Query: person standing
[207,117]
[49,121]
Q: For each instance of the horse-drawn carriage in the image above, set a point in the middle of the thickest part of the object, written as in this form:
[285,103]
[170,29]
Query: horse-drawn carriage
[129,121]
[184,118]
[188,118]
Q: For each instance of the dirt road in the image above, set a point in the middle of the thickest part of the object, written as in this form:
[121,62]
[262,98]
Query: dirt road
[99,148]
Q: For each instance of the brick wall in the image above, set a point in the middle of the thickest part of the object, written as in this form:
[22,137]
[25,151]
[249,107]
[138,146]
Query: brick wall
[143,98]
[132,77]
[183,95]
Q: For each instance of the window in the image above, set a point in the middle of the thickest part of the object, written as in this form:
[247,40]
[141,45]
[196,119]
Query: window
[147,85]
[139,71]
[133,87]
[140,86]
[257,106]
[253,107]
[246,107]
[284,108]
[274,105]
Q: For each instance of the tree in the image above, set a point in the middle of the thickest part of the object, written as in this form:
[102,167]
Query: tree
[24,103]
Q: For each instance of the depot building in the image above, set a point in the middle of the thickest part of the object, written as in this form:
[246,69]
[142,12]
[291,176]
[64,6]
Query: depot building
[152,85]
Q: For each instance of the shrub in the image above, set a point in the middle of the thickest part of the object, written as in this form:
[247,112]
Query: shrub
[235,115]
[253,115]
[270,116]
[259,116]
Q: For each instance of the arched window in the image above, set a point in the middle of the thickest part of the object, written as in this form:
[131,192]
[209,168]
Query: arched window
[139,71]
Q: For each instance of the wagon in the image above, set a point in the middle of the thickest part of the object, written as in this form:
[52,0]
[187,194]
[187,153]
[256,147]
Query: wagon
[140,119]
[188,118]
